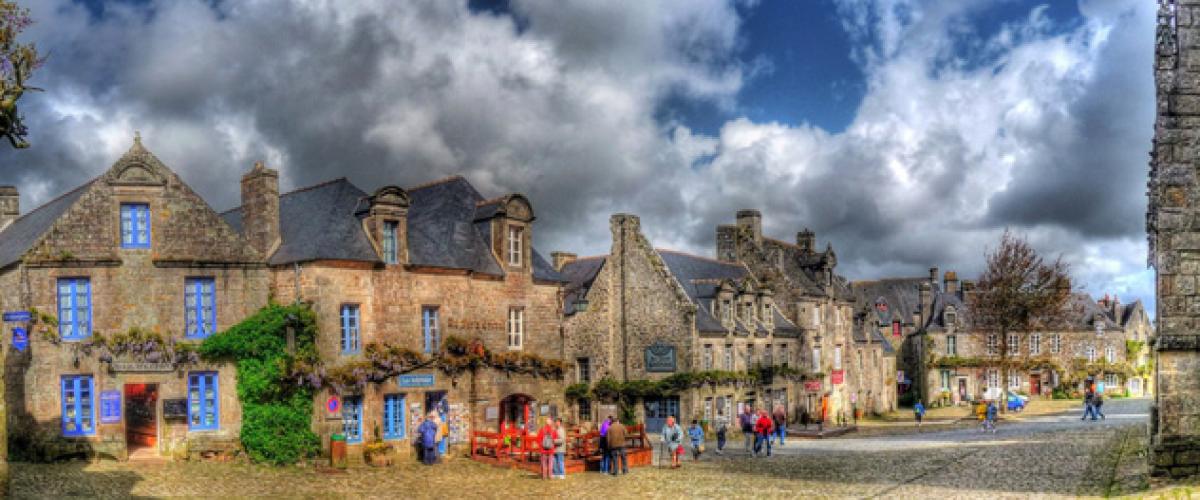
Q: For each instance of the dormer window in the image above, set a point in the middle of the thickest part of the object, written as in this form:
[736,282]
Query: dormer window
[766,313]
[726,312]
[135,225]
[390,254]
[951,317]
[514,246]
[1099,326]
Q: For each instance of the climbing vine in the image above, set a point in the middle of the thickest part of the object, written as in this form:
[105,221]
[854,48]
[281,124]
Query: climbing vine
[276,413]
[626,393]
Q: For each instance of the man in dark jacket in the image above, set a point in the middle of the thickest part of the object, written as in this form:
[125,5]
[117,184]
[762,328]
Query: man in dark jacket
[616,448]
[747,420]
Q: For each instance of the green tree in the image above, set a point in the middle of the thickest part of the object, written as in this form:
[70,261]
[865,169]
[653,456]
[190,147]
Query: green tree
[17,62]
[1018,293]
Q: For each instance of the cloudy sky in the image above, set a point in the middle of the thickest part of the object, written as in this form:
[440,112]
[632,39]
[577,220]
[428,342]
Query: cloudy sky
[907,133]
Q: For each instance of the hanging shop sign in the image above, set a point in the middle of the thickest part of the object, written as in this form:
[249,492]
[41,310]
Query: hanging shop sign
[838,377]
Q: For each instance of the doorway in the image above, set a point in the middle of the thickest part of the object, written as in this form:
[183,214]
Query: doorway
[657,411]
[437,401]
[1035,385]
[517,412]
[141,415]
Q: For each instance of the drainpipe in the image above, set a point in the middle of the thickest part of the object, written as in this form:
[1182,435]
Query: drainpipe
[624,290]
[296,282]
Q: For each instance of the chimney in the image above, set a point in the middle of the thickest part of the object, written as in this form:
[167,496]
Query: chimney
[561,259]
[727,243]
[926,300]
[951,282]
[10,205]
[752,220]
[933,275]
[260,208]
[806,240]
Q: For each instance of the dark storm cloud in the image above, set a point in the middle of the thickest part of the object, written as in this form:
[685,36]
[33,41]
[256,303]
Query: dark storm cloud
[1046,136]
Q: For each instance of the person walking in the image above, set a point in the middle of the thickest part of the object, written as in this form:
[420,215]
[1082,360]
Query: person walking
[1089,408]
[672,438]
[722,429]
[991,416]
[605,458]
[560,449]
[746,420]
[545,441]
[1096,405]
[762,431]
[824,412]
[616,446]
[918,413]
[427,432]
[696,433]
[779,416]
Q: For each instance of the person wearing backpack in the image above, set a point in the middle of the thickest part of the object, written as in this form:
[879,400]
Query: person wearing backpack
[545,440]
[918,413]
[672,437]
[427,431]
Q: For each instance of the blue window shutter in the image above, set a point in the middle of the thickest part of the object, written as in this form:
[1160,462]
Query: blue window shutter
[78,417]
[352,419]
[350,329]
[135,225]
[74,308]
[393,416]
[203,401]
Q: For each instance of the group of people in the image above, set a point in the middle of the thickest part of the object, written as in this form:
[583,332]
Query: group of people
[672,438]
[1092,402]
[432,436]
[986,412]
[552,442]
[612,447]
[760,430]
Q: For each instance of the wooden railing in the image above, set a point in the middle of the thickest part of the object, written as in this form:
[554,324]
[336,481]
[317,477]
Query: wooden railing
[521,446]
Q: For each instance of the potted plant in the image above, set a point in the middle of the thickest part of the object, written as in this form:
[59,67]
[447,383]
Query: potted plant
[378,453]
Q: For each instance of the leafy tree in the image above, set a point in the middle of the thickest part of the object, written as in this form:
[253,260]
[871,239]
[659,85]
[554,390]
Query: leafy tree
[1019,293]
[17,62]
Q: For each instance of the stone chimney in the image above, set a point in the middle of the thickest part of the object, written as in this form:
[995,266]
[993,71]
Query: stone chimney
[925,298]
[10,205]
[752,220]
[933,275]
[260,208]
[806,240]
[561,259]
[727,243]
[951,283]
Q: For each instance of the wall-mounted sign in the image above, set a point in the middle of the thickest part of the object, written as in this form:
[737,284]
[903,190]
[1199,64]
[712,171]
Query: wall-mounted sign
[17,316]
[175,408]
[660,358]
[415,380]
[20,339]
[837,377]
[333,404]
[491,413]
[812,385]
[110,407]
[142,367]
[900,376]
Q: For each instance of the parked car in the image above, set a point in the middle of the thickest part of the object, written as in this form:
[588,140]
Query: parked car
[1017,402]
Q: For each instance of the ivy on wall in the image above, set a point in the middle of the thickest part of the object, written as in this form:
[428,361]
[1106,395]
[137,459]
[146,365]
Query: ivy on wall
[610,390]
[276,413]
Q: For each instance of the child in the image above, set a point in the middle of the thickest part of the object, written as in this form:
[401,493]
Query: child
[722,428]
[697,435]
[918,412]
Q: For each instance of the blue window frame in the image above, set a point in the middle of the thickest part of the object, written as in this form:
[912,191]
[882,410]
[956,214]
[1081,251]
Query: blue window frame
[350,329]
[74,308]
[429,326]
[200,306]
[352,419]
[393,416]
[135,225]
[203,401]
[78,413]
[390,254]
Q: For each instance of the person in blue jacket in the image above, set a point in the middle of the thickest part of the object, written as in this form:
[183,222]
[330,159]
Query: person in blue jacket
[427,432]
[919,413]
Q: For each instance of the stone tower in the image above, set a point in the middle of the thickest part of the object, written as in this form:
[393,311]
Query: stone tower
[1174,233]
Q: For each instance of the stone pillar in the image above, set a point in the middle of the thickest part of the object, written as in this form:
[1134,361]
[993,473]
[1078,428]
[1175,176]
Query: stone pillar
[10,205]
[1171,224]
[260,208]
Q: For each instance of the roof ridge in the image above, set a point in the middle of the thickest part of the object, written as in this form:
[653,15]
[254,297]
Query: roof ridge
[497,199]
[51,202]
[312,187]
[710,259]
[435,182]
[781,242]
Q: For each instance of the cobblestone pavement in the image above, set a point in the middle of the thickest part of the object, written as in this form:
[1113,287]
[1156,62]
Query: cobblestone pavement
[1044,456]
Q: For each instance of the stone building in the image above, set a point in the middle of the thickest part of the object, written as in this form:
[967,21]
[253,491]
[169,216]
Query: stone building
[640,313]
[1174,198]
[132,254]
[950,362]
[412,268]
[808,291]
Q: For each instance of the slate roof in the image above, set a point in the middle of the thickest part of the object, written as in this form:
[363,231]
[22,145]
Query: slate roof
[325,222]
[700,276]
[26,230]
[902,296]
[579,276]
[887,346]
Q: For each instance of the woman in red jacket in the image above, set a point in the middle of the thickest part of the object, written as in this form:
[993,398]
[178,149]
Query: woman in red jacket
[762,432]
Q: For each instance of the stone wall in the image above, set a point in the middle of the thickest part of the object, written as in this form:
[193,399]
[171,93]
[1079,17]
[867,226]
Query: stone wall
[1174,197]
